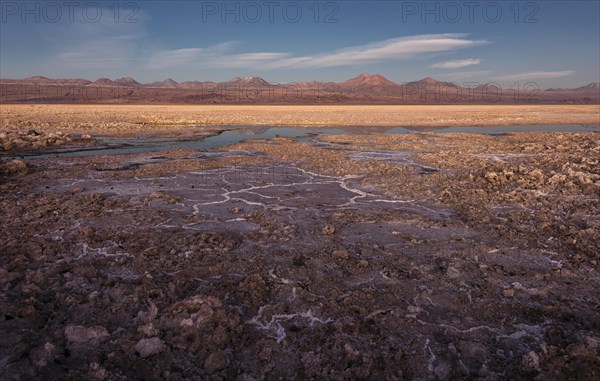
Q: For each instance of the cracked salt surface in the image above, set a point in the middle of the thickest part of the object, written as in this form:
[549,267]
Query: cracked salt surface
[274,324]
[281,188]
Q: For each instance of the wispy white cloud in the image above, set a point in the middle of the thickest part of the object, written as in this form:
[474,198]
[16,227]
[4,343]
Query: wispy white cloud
[461,75]
[536,75]
[187,56]
[456,64]
[401,48]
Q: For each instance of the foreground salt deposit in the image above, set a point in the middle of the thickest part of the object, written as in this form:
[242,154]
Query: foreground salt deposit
[423,256]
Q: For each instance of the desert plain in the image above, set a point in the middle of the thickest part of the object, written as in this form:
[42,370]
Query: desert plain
[361,255]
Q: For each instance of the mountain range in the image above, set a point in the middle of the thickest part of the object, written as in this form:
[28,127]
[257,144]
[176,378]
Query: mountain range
[365,88]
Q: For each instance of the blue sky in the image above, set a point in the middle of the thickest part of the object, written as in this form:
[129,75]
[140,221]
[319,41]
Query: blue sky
[551,43]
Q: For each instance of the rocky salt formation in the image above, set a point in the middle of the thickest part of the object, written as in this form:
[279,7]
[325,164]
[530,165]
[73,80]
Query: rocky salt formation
[13,167]
[33,140]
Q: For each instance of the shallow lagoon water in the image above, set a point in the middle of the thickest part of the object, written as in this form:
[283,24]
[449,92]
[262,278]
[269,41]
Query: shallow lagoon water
[494,130]
[236,134]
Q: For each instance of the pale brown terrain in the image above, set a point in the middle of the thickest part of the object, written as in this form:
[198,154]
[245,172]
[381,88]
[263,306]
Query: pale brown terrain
[136,119]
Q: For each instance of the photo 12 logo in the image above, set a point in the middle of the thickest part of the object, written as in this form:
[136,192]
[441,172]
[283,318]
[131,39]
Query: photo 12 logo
[526,12]
[252,12]
[68,11]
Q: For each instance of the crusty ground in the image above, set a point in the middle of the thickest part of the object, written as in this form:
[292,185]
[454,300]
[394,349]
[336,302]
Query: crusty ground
[425,256]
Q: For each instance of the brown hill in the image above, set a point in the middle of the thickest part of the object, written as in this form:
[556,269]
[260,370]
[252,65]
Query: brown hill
[593,87]
[128,81]
[246,81]
[194,84]
[104,82]
[365,80]
[167,83]
[429,82]
[367,86]
[47,81]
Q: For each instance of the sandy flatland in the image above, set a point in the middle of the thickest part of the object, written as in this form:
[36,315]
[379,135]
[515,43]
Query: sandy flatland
[130,119]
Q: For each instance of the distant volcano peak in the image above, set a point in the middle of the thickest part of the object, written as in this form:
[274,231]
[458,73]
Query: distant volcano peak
[366,79]
[127,81]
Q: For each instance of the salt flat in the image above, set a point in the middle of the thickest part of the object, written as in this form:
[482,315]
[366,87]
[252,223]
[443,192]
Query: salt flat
[133,119]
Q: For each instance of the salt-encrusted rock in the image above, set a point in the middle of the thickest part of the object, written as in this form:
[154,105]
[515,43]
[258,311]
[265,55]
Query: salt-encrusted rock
[149,347]
[43,355]
[216,361]
[77,334]
[15,167]
[340,254]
